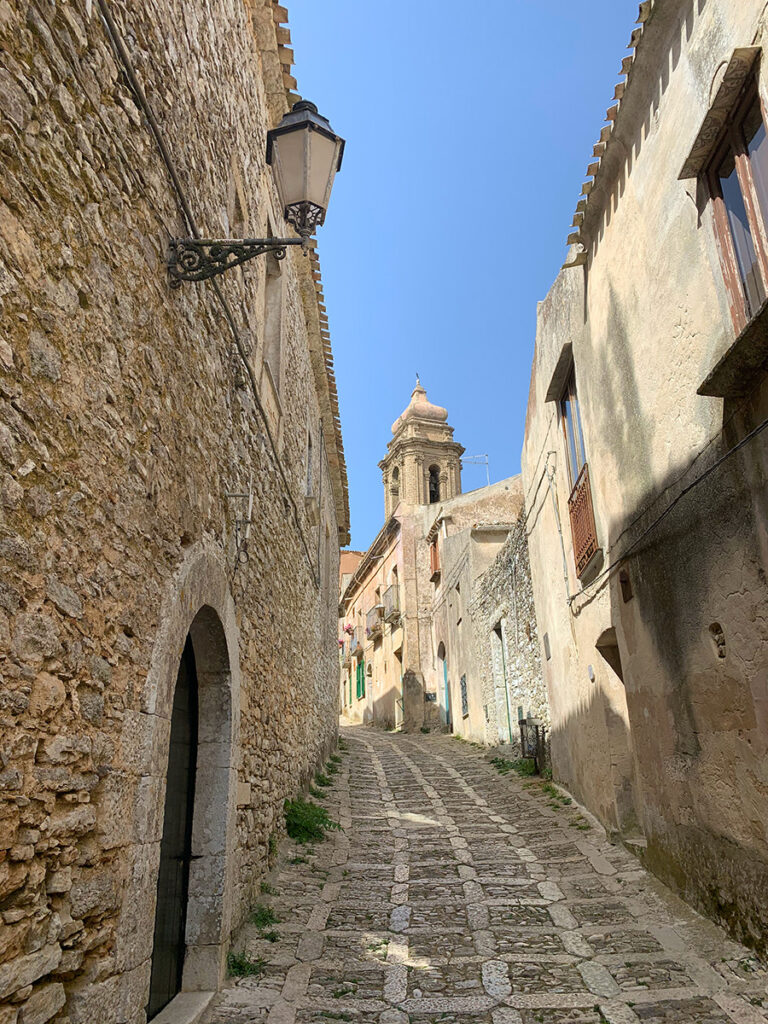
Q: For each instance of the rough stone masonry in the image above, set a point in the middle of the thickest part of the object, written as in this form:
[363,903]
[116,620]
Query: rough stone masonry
[154,487]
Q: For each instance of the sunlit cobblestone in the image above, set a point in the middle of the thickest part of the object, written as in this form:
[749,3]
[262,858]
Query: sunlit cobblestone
[457,896]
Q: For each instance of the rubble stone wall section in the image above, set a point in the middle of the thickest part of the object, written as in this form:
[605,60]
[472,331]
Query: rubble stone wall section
[503,597]
[126,422]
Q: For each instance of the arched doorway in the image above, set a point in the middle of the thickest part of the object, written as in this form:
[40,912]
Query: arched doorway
[447,690]
[190,927]
[169,943]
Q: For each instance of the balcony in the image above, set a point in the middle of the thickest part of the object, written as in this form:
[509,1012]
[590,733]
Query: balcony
[374,622]
[392,603]
[583,531]
[355,647]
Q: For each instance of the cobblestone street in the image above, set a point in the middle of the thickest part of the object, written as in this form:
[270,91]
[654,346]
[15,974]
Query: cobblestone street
[460,896]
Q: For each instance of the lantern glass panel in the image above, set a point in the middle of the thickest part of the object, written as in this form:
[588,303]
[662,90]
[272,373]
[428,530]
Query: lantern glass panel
[289,161]
[321,167]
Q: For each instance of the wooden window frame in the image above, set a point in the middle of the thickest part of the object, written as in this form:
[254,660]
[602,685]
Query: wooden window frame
[581,511]
[732,138]
[570,391]
[434,560]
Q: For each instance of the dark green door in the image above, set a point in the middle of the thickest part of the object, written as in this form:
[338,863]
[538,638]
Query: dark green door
[176,845]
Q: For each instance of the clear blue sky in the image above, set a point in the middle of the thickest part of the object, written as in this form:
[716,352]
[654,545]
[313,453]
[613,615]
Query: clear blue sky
[469,128]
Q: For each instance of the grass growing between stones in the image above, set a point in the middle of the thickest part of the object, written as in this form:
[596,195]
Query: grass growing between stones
[240,965]
[262,916]
[318,794]
[556,798]
[307,822]
[523,766]
[322,780]
[577,821]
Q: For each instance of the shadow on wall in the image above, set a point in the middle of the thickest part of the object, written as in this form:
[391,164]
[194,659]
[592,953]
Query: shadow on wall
[602,775]
[694,648]
[697,654]
[383,714]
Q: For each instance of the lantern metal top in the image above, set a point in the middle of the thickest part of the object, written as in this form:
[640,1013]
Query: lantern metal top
[303,114]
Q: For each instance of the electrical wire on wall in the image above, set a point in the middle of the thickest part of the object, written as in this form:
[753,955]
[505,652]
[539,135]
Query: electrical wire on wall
[617,562]
[118,45]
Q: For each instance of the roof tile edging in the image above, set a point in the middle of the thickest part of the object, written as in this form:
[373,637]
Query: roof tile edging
[646,10]
[341,483]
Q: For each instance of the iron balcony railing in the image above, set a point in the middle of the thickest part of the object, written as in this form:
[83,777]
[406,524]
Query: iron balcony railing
[392,603]
[374,622]
[583,530]
[355,647]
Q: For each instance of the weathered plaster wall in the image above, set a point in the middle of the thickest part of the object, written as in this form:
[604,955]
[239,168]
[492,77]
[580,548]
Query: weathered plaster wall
[678,749]
[126,419]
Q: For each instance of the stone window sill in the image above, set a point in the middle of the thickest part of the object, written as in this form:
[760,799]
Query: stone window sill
[747,358]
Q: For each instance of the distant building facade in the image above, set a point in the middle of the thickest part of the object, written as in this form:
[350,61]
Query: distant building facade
[430,620]
[645,464]
[173,497]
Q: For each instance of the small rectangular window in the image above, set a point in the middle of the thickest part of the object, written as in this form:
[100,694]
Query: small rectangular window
[464,698]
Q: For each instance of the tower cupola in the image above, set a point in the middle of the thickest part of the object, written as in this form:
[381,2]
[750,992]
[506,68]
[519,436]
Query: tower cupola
[423,462]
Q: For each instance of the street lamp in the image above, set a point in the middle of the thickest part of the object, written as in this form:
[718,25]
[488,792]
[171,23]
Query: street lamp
[304,153]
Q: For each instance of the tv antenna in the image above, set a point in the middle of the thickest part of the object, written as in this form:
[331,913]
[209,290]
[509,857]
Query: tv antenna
[478,460]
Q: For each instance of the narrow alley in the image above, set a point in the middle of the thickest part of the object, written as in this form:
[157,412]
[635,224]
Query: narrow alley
[458,895]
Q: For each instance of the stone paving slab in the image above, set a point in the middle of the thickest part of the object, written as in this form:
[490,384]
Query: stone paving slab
[457,896]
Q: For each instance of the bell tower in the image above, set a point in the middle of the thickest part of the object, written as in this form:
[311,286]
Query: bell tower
[423,462]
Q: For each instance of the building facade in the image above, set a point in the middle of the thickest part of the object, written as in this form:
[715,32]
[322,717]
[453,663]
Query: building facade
[430,620]
[645,464]
[173,497]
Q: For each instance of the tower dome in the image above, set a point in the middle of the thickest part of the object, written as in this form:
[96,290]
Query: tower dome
[420,407]
[423,462]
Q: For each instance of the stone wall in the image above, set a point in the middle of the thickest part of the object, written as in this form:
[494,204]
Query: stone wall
[502,603]
[128,419]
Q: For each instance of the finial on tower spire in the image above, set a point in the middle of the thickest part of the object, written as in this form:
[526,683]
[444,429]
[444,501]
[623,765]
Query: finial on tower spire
[418,381]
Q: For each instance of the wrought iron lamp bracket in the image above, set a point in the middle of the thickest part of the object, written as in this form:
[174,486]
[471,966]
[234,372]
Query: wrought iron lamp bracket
[198,259]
